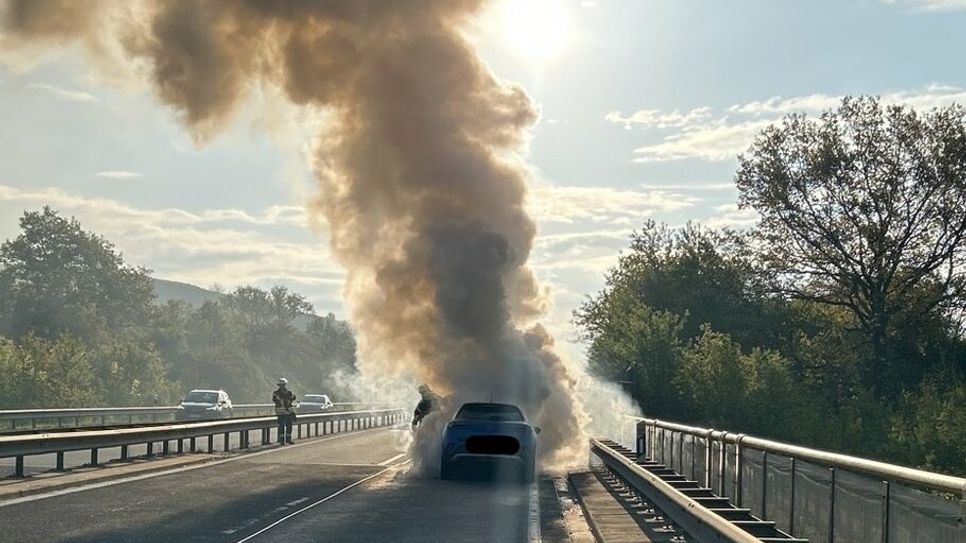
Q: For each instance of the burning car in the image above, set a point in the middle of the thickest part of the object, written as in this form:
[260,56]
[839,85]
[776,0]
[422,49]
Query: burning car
[489,438]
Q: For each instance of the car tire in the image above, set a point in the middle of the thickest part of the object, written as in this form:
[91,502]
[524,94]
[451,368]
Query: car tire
[530,473]
[446,471]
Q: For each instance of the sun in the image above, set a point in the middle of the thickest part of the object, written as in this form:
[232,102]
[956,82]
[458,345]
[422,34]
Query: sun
[538,30]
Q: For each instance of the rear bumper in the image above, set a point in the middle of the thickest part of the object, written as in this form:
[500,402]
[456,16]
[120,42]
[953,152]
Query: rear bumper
[467,459]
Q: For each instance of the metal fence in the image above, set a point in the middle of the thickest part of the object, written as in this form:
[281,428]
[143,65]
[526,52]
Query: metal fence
[187,437]
[42,419]
[821,496]
[700,523]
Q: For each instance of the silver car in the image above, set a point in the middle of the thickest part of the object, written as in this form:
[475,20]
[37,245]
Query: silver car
[204,405]
[314,403]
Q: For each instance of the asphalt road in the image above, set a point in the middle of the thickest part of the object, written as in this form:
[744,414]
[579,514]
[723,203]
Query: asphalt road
[345,488]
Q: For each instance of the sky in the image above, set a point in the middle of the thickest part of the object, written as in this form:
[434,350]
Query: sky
[644,106]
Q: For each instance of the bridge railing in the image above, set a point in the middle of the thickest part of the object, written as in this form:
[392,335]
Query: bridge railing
[58,443]
[39,419]
[700,523]
[822,496]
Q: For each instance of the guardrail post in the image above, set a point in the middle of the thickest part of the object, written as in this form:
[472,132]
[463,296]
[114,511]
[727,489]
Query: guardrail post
[243,439]
[680,450]
[962,515]
[60,461]
[764,484]
[694,445]
[264,436]
[722,462]
[708,458]
[94,457]
[640,442]
[18,467]
[227,441]
[150,452]
[886,510]
[791,502]
[211,443]
[165,448]
[831,507]
[123,452]
[180,446]
[739,465]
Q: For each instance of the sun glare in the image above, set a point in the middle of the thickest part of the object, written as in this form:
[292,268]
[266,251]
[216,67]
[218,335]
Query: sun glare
[539,30]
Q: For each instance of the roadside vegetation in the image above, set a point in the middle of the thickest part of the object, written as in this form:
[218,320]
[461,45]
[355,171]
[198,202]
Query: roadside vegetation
[81,328]
[837,322]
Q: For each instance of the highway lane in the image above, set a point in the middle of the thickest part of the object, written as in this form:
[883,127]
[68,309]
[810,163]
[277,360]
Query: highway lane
[403,507]
[310,492]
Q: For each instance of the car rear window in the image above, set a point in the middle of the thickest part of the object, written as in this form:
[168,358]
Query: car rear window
[202,397]
[314,398]
[489,411]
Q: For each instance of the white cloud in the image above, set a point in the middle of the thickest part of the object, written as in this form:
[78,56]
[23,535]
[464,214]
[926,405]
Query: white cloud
[690,188]
[930,5]
[223,246]
[602,204]
[779,105]
[655,118]
[703,134]
[930,97]
[66,94]
[731,215]
[718,141]
[118,174]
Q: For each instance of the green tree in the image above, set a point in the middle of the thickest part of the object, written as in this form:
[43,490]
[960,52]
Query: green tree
[635,345]
[56,278]
[930,427]
[862,209]
[131,373]
[46,373]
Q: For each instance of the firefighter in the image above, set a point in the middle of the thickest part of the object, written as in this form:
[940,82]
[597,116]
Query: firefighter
[428,403]
[284,400]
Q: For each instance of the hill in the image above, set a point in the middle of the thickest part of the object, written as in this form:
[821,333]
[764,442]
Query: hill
[167,290]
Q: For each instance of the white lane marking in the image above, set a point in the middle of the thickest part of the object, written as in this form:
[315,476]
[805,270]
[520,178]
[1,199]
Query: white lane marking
[533,518]
[391,460]
[340,464]
[323,500]
[253,521]
[112,482]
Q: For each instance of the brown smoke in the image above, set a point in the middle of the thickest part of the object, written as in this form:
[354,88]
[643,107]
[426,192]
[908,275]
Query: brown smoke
[419,183]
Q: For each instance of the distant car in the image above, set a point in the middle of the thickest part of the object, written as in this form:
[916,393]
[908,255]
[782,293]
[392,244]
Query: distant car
[204,405]
[489,439]
[315,402]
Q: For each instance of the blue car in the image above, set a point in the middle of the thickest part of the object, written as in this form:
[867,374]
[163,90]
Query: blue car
[489,438]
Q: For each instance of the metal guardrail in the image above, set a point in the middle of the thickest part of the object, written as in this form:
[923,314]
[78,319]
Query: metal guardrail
[31,419]
[824,496]
[700,523]
[58,443]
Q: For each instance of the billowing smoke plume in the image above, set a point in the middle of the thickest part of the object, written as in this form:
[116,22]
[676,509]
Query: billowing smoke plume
[419,182]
